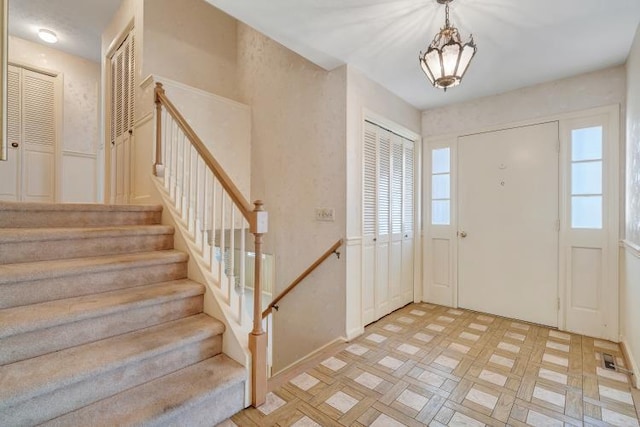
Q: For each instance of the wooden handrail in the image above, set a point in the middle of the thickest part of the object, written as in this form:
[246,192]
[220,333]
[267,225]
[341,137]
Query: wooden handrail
[243,205]
[303,276]
[257,218]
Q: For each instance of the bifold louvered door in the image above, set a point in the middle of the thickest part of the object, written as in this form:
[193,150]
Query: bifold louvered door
[388,222]
[29,173]
[122,93]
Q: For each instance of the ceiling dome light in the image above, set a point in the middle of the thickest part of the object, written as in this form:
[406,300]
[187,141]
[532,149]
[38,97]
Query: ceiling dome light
[447,59]
[48,36]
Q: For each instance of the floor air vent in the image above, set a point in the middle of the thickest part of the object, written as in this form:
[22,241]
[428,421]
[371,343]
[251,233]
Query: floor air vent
[609,361]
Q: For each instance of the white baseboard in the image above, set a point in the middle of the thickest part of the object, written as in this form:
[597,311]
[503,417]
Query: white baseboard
[310,355]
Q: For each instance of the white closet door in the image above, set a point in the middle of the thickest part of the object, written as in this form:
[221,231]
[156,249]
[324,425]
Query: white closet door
[29,173]
[383,306]
[408,212]
[122,117]
[388,222]
[10,177]
[369,210]
[38,136]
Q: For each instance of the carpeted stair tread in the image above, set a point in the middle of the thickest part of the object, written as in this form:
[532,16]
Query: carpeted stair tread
[20,272]
[18,320]
[19,215]
[169,400]
[18,235]
[83,207]
[30,378]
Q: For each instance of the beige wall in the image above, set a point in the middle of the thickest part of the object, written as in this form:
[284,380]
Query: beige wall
[80,119]
[298,164]
[600,88]
[630,257]
[191,42]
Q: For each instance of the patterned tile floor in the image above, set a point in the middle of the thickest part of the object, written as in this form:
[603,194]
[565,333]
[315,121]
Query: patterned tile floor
[432,365]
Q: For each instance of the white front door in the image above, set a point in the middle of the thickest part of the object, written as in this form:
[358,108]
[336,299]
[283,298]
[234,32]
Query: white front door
[29,173]
[508,223]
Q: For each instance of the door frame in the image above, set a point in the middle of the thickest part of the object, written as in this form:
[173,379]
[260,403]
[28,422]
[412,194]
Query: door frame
[448,295]
[59,116]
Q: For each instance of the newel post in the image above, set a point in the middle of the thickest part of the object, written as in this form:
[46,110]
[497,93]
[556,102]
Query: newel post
[257,337]
[158,169]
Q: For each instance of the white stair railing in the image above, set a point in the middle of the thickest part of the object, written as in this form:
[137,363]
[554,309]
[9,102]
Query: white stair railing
[218,217]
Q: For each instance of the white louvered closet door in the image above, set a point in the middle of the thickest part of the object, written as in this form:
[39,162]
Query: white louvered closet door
[122,93]
[388,212]
[29,173]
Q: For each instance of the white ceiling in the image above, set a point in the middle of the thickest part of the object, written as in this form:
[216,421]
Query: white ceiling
[78,23]
[520,42]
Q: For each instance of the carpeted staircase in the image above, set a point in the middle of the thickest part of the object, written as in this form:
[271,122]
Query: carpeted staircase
[99,325]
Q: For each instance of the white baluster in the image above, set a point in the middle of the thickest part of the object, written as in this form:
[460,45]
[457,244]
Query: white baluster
[242,276]
[179,169]
[214,217]
[174,155]
[223,261]
[206,218]
[186,186]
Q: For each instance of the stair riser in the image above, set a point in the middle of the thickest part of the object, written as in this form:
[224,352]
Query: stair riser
[36,291]
[65,398]
[75,248]
[46,218]
[24,346]
[217,408]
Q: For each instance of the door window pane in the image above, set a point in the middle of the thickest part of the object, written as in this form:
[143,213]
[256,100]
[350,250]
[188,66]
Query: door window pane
[586,178]
[440,160]
[440,212]
[586,211]
[440,186]
[586,144]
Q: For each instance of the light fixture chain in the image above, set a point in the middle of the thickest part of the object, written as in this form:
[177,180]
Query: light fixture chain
[446,11]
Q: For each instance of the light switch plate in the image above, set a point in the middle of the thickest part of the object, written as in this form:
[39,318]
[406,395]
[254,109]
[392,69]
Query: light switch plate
[325,214]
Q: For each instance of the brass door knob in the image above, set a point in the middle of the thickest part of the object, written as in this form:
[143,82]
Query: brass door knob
[462,234]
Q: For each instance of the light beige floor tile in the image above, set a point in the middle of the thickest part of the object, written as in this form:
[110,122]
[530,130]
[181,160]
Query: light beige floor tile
[357,349]
[434,327]
[376,338]
[432,378]
[469,336]
[501,360]
[305,422]
[418,312]
[386,421]
[515,336]
[334,363]
[509,347]
[478,327]
[423,337]
[446,319]
[447,361]
[606,345]
[493,377]
[406,320]
[615,394]
[392,328]
[552,376]
[461,420]
[549,396]
[368,380]
[556,360]
[537,419]
[559,335]
[481,398]
[304,381]
[459,348]
[341,401]
[612,375]
[558,346]
[272,403]
[618,419]
[408,348]
[412,400]
[391,362]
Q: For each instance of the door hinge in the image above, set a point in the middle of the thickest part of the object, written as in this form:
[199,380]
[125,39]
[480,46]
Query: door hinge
[557,225]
